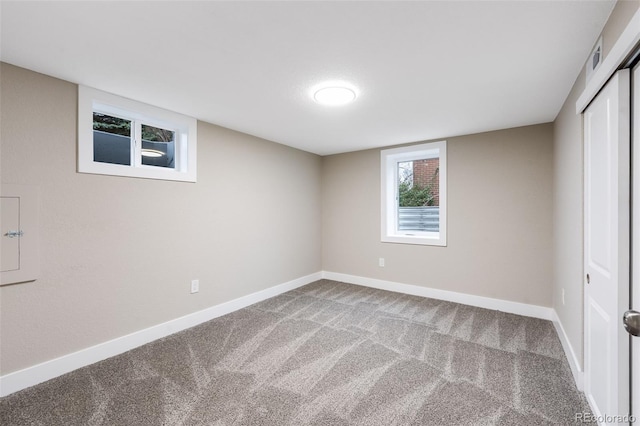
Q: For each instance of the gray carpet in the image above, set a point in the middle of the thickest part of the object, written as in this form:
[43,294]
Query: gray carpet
[326,354]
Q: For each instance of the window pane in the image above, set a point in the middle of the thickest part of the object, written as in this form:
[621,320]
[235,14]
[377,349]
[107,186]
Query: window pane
[111,139]
[158,147]
[419,195]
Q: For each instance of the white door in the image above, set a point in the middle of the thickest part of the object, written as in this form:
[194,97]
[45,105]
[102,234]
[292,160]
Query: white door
[606,247]
[635,290]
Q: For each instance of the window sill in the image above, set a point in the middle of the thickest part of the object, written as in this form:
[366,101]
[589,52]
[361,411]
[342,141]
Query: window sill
[422,240]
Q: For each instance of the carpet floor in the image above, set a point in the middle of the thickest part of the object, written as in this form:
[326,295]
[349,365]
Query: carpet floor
[330,354]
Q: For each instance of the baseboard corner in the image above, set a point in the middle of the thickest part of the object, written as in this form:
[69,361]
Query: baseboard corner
[574,364]
[511,307]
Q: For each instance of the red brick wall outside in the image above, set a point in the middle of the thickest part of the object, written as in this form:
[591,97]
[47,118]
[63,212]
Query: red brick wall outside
[425,173]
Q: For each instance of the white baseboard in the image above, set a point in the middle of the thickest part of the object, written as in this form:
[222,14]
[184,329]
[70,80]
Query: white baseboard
[479,301]
[39,373]
[577,372]
[451,296]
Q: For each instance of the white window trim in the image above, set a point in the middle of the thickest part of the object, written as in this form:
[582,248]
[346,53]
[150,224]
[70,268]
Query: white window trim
[186,133]
[389,158]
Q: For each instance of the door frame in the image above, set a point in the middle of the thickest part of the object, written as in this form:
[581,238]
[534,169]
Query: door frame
[621,52]
[634,297]
[597,302]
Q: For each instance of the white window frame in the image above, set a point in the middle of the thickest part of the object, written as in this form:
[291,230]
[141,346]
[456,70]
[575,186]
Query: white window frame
[185,128]
[389,159]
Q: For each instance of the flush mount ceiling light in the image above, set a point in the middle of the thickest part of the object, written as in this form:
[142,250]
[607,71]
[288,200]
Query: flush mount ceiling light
[152,153]
[334,95]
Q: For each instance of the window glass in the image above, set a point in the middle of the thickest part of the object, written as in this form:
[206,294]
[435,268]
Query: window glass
[418,195]
[111,139]
[158,147]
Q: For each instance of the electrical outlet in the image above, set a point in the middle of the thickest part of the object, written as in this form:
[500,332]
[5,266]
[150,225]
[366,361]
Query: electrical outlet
[195,286]
[563,296]
[381,262]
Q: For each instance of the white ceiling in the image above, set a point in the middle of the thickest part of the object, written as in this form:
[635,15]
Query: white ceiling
[424,70]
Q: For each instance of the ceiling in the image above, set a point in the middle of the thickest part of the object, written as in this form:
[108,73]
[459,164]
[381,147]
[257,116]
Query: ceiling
[423,70]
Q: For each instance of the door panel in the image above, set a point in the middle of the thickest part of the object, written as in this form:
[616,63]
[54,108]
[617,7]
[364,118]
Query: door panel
[606,239]
[19,233]
[599,165]
[635,288]
[600,352]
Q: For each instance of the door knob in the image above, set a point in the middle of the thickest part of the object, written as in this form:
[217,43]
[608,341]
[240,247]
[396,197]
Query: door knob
[631,321]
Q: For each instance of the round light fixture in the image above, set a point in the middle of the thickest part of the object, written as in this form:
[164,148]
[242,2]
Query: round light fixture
[334,96]
[154,153]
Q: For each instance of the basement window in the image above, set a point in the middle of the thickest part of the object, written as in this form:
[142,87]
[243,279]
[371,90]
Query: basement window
[414,194]
[122,137]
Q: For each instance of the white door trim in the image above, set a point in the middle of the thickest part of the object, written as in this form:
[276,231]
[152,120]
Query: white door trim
[635,250]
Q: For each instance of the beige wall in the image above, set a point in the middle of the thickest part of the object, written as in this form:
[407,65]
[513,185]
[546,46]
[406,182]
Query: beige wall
[118,254]
[499,213]
[568,191]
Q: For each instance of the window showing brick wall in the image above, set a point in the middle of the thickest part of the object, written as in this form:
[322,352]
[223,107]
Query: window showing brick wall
[414,194]
[425,172]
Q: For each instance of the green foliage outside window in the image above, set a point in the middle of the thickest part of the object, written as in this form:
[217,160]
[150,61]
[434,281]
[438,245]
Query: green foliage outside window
[120,126]
[113,125]
[415,195]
